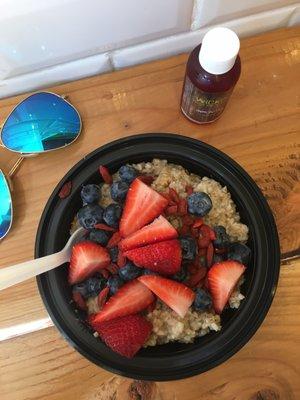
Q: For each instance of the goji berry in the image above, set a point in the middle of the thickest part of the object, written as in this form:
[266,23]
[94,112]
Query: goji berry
[106,176]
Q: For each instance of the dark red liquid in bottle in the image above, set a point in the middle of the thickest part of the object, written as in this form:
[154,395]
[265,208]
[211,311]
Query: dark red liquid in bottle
[204,94]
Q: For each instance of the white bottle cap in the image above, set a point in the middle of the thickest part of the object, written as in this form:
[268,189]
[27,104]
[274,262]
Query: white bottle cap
[220,47]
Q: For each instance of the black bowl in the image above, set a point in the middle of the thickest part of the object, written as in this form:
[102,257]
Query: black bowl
[171,361]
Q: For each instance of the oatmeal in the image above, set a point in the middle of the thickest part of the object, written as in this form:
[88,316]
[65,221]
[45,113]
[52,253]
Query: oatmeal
[179,235]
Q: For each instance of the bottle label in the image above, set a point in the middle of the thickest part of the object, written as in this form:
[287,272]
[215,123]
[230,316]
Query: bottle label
[202,106]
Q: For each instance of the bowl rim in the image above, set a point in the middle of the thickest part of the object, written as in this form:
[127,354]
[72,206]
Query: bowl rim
[264,300]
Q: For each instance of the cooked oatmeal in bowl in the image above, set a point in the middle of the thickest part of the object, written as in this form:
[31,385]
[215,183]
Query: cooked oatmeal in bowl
[164,287]
[164,254]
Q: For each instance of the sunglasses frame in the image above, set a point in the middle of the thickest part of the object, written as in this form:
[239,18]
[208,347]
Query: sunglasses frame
[44,151]
[25,155]
[11,203]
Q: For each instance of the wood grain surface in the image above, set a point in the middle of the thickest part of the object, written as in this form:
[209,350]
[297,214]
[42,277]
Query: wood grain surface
[259,129]
[42,365]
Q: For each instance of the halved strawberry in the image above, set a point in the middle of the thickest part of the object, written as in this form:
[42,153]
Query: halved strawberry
[222,278]
[176,295]
[163,257]
[159,230]
[125,335]
[86,259]
[142,205]
[131,298]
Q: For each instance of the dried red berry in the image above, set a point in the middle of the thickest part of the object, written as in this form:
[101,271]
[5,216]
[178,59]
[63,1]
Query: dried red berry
[198,222]
[121,260]
[104,227]
[187,220]
[102,296]
[65,191]
[189,190]
[106,176]
[174,195]
[147,179]
[182,207]
[79,300]
[209,254]
[204,236]
[114,240]
[171,210]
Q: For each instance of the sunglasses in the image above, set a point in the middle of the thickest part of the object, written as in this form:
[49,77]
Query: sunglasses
[40,123]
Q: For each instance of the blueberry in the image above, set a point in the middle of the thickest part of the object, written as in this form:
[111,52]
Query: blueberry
[149,272]
[202,300]
[114,252]
[222,238]
[80,288]
[90,287]
[112,215]
[90,193]
[129,271]
[118,191]
[239,252]
[189,247]
[217,258]
[99,236]
[114,283]
[90,215]
[127,173]
[181,275]
[199,204]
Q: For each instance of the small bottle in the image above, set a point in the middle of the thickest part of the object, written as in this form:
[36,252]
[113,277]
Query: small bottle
[212,70]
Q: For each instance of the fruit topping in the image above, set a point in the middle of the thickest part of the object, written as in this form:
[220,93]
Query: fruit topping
[142,205]
[222,279]
[90,215]
[163,257]
[159,230]
[125,335]
[86,259]
[112,215]
[176,295]
[131,298]
[199,204]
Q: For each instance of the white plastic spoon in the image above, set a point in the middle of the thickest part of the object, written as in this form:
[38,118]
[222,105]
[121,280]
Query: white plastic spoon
[10,276]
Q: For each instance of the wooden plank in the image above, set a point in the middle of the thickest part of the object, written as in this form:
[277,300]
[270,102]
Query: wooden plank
[42,365]
[259,129]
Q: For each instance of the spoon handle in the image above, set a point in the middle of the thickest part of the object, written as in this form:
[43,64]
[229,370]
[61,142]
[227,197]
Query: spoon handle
[10,276]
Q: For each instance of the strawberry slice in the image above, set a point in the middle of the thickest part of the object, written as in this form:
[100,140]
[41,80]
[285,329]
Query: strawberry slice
[163,257]
[131,298]
[86,259]
[142,205]
[176,295]
[125,335]
[222,278]
[159,230]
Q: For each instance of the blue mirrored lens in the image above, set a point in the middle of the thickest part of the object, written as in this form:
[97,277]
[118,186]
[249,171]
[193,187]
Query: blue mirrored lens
[43,121]
[5,207]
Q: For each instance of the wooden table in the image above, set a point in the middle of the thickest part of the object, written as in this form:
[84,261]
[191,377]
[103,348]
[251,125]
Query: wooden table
[260,130]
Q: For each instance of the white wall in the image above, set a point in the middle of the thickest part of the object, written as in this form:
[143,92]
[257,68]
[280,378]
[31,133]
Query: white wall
[43,42]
